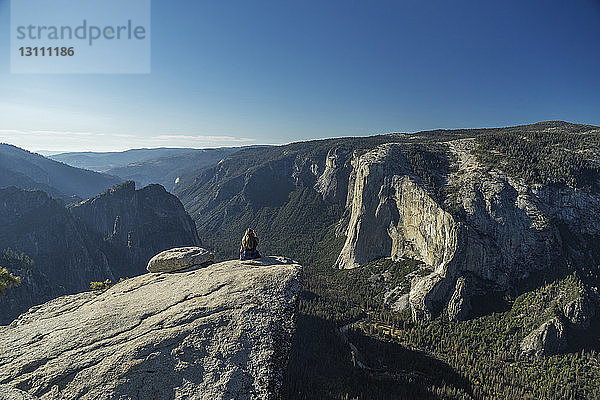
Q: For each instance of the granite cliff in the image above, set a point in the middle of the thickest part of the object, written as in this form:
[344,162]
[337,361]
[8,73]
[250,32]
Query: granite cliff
[143,222]
[491,233]
[220,332]
[489,212]
[58,250]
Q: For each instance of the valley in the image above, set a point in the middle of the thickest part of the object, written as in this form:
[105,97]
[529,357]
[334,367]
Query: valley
[491,217]
[147,166]
[443,264]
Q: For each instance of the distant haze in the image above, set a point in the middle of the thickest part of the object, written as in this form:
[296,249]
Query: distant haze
[146,166]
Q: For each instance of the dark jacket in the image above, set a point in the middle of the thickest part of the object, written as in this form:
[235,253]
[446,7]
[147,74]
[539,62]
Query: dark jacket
[246,254]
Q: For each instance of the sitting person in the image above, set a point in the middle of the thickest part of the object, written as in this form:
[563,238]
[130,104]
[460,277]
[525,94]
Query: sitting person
[249,243]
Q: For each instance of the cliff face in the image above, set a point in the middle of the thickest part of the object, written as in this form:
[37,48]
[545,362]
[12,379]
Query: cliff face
[489,212]
[71,247]
[67,255]
[391,215]
[490,234]
[219,332]
[143,222]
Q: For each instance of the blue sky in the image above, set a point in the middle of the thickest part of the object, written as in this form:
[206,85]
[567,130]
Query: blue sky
[230,73]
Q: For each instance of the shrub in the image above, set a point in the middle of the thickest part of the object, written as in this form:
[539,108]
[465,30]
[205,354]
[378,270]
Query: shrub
[7,280]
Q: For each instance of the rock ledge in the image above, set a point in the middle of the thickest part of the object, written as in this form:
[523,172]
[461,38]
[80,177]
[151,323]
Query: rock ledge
[221,332]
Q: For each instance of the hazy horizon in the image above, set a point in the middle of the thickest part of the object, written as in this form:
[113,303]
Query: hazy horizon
[47,152]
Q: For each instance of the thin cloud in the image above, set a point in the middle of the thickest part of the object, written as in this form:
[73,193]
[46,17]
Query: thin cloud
[65,133]
[11,131]
[60,133]
[194,138]
[204,138]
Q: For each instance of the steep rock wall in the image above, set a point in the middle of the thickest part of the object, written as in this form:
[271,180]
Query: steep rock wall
[108,237]
[67,254]
[392,215]
[143,222]
[490,228]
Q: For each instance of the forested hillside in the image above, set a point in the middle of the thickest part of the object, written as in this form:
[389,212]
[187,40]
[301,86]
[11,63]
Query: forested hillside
[26,170]
[147,166]
[457,240]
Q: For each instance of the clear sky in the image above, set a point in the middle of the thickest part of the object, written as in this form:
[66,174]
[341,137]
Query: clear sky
[235,72]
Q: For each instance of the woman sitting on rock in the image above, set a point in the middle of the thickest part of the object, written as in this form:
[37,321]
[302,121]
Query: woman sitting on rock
[249,243]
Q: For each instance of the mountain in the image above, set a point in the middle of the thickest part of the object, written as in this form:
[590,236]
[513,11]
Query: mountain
[27,170]
[57,250]
[147,166]
[145,221]
[223,331]
[166,170]
[103,161]
[421,241]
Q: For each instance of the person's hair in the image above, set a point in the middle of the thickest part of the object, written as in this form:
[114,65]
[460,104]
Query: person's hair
[250,240]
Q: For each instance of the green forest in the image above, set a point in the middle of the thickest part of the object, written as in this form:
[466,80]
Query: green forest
[398,358]
[475,359]
[550,157]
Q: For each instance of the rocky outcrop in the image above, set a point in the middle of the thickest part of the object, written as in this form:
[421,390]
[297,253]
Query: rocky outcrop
[548,339]
[221,332]
[459,305]
[490,226]
[581,307]
[8,392]
[74,246]
[579,313]
[557,315]
[179,258]
[332,182]
[143,222]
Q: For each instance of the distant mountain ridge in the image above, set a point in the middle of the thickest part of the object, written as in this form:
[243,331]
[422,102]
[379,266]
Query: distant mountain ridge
[27,170]
[146,166]
[104,161]
[166,170]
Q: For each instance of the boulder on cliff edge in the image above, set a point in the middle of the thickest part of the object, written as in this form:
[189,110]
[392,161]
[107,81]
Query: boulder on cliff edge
[179,258]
